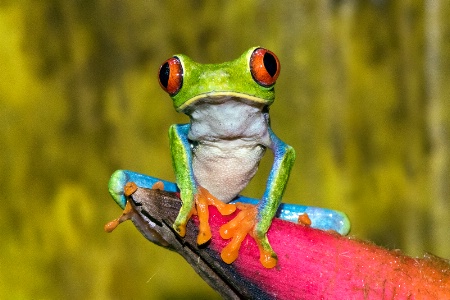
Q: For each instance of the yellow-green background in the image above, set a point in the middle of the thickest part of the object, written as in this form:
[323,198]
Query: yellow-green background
[363,97]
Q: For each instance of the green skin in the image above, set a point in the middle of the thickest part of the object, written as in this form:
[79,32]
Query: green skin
[229,131]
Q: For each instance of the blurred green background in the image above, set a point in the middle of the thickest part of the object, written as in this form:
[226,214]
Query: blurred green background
[363,97]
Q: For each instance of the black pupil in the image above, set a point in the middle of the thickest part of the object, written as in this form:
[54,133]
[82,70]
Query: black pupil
[270,64]
[164,74]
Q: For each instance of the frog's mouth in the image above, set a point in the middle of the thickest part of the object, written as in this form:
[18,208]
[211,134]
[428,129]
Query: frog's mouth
[221,97]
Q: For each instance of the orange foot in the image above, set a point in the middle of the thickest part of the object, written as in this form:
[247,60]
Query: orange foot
[126,215]
[128,212]
[237,229]
[203,198]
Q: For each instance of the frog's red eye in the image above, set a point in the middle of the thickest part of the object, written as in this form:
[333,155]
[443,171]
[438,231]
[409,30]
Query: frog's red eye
[264,66]
[171,76]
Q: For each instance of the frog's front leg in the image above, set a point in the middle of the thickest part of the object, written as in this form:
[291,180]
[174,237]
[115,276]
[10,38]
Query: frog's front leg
[257,220]
[195,198]
[180,149]
[276,184]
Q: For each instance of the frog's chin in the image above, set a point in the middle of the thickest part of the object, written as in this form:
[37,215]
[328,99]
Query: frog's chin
[221,97]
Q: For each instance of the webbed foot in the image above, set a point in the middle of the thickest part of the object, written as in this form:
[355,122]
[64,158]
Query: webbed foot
[128,211]
[238,228]
[203,199]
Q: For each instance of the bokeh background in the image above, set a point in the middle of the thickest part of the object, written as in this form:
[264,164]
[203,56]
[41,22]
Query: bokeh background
[363,97]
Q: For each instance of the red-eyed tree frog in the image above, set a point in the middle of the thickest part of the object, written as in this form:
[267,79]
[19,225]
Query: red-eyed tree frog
[218,152]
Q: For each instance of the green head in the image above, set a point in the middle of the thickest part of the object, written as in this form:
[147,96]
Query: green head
[252,77]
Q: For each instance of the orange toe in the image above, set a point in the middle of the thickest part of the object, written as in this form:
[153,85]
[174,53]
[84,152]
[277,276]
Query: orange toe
[224,208]
[201,203]
[304,219]
[126,215]
[159,185]
[267,258]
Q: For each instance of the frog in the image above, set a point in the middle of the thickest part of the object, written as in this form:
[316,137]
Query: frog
[218,152]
